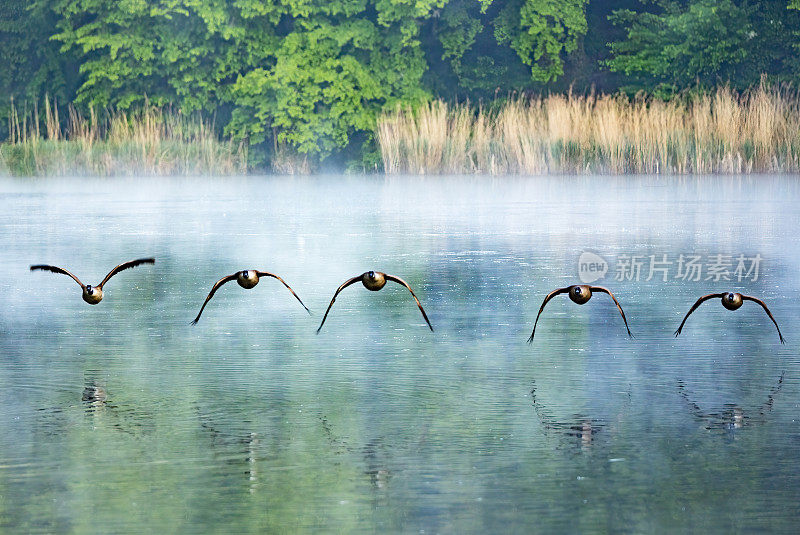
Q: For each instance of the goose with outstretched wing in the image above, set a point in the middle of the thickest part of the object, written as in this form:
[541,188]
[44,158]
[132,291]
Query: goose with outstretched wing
[94,294]
[731,301]
[374,281]
[247,279]
[580,294]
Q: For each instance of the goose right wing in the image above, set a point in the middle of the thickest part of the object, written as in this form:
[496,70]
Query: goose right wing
[342,287]
[219,283]
[694,307]
[544,303]
[54,269]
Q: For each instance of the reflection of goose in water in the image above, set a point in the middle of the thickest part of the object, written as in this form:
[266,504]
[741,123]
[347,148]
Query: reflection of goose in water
[93,294]
[376,468]
[374,281]
[94,395]
[372,454]
[731,301]
[247,279]
[732,416]
[95,404]
[247,444]
[580,294]
[579,430]
[338,445]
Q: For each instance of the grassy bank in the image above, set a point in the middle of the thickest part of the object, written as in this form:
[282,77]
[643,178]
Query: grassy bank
[718,132]
[149,141]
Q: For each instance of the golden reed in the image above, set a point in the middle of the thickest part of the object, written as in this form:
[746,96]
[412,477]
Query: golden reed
[147,141]
[757,131]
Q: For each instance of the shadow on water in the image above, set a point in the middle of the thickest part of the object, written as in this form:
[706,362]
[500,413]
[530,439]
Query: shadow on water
[578,431]
[235,449]
[99,410]
[373,456]
[731,416]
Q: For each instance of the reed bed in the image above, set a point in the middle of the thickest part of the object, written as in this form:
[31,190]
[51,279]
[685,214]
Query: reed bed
[757,131]
[147,141]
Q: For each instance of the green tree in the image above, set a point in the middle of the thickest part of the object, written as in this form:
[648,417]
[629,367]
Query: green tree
[486,46]
[542,32]
[32,65]
[309,72]
[705,41]
[170,51]
[311,75]
[335,66]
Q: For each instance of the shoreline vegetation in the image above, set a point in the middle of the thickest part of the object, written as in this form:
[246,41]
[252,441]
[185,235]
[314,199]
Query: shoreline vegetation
[725,132]
[148,141]
[716,132]
[415,86]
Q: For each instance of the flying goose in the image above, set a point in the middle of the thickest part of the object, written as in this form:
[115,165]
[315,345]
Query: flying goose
[731,301]
[247,279]
[579,293]
[94,294]
[374,281]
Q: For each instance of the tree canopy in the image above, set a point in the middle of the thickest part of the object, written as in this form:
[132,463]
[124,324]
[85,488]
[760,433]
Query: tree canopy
[312,75]
[707,42]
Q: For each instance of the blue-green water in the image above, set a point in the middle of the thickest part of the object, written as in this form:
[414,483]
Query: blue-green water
[123,417]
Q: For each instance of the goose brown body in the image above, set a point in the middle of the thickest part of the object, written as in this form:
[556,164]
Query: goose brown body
[92,295]
[373,280]
[580,293]
[247,279]
[732,300]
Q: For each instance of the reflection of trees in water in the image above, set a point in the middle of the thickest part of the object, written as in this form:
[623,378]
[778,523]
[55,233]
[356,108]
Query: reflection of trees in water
[731,416]
[471,274]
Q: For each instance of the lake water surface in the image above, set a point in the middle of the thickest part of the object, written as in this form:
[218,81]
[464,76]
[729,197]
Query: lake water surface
[123,417]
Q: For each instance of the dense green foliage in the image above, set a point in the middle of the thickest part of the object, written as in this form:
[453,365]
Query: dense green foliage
[32,64]
[707,42]
[311,76]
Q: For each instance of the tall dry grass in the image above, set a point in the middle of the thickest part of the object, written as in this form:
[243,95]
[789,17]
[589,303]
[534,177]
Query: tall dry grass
[147,141]
[719,132]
